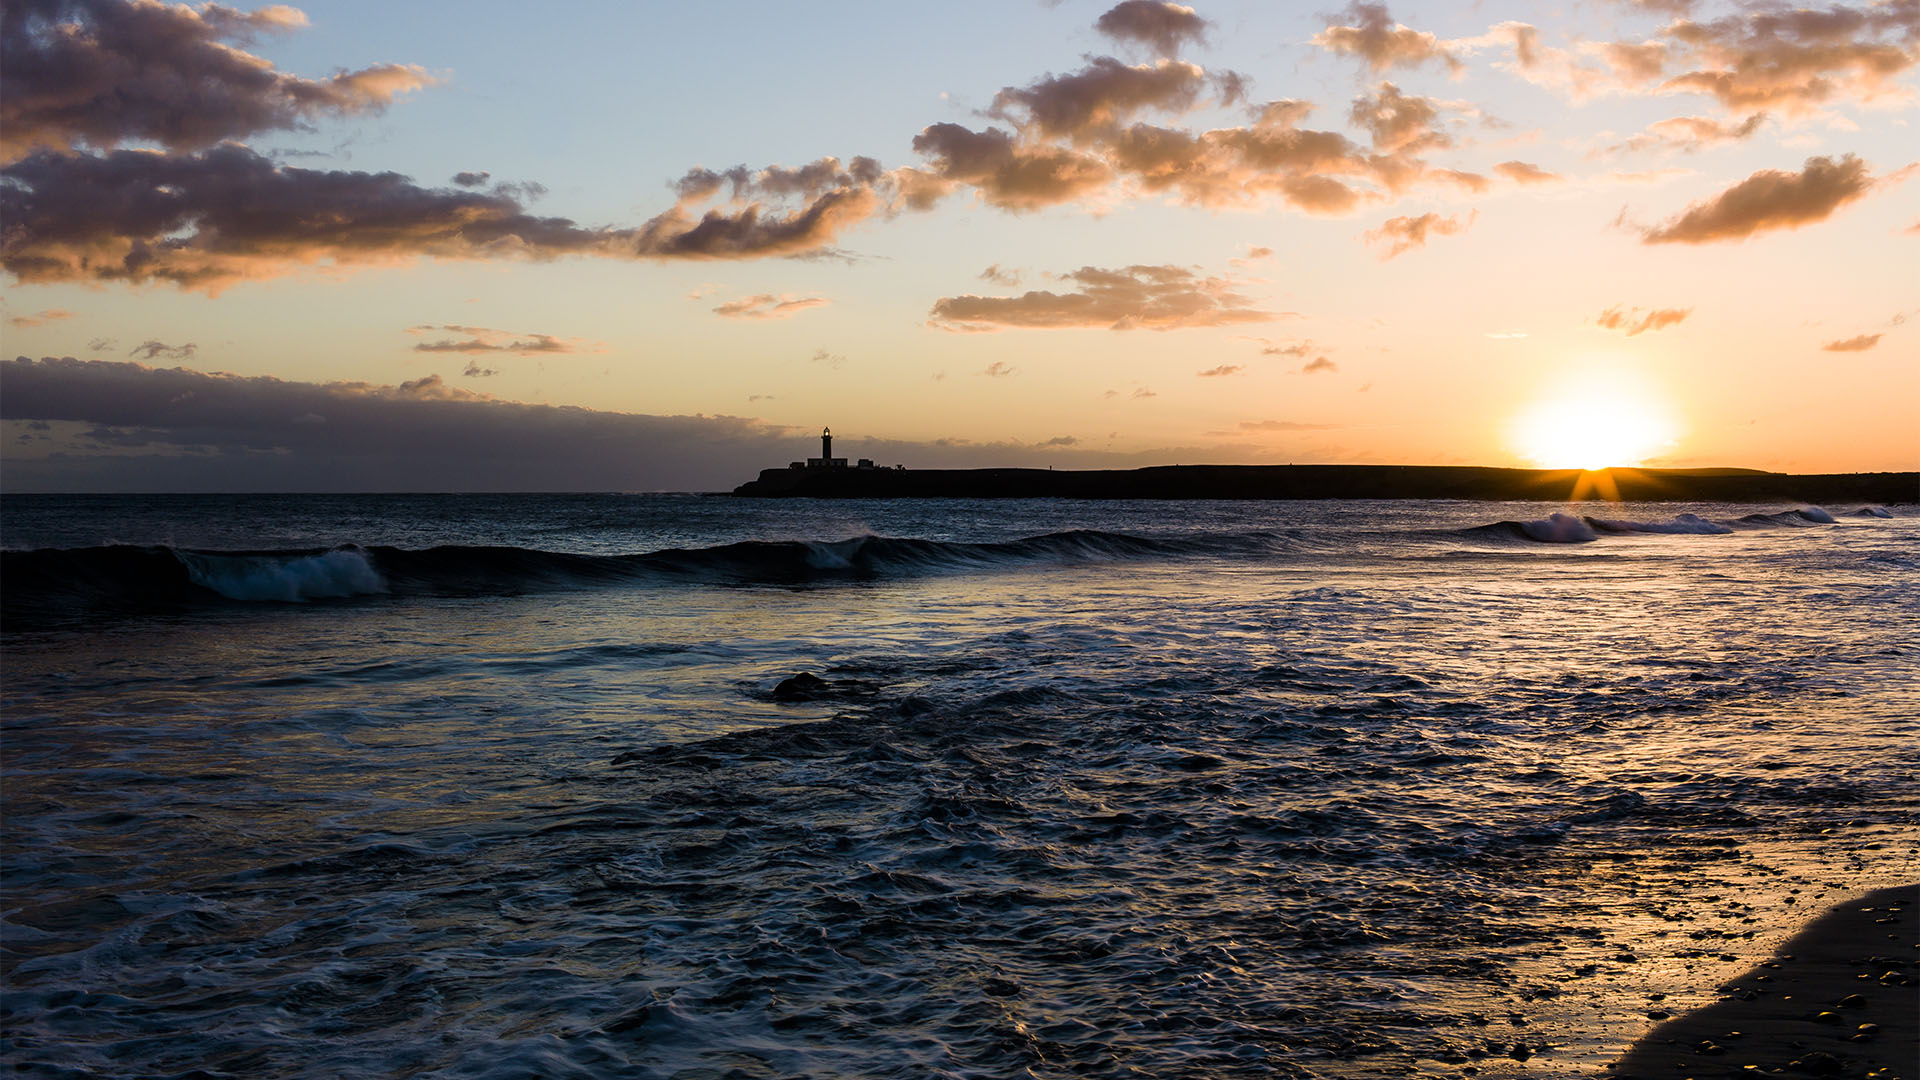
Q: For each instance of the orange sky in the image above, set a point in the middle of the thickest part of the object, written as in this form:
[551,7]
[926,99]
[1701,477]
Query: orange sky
[644,249]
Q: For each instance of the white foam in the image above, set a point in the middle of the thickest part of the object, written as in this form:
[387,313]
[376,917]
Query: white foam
[1559,529]
[287,578]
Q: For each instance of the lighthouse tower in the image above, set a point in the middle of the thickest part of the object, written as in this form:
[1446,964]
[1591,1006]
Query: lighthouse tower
[826,444]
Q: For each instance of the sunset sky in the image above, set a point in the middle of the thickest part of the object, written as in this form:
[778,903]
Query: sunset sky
[467,246]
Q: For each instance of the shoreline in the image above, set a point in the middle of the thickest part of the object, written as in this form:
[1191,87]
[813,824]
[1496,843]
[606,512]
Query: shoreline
[1841,997]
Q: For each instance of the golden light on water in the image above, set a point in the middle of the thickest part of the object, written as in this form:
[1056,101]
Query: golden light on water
[1594,422]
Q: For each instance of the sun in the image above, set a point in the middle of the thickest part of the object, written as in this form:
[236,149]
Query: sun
[1593,422]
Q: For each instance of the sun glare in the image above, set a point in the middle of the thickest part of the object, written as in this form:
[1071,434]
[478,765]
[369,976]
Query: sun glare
[1593,424]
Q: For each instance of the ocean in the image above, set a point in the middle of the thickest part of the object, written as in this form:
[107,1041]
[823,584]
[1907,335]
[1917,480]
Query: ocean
[510,786]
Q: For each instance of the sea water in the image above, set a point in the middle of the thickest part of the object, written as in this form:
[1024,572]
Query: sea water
[303,786]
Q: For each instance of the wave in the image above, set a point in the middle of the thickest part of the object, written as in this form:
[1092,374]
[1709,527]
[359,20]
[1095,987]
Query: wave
[1562,528]
[80,581]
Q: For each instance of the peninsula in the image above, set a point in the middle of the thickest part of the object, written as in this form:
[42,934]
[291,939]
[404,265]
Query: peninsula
[1337,482]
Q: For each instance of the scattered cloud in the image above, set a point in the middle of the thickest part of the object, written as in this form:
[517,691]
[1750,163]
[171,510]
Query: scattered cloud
[827,359]
[482,339]
[1157,24]
[1690,133]
[1008,278]
[1098,98]
[1295,349]
[1134,297]
[1769,199]
[997,369]
[1403,234]
[1521,172]
[1793,59]
[102,344]
[1222,370]
[1320,364]
[1253,254]
[160,350]
[471,179]
[1143,392]
[1633,322]
[100,73]
[475,371]
[39,318]
[1382,43]
[768,306]
[1283,425]
[1060,440]
[1853,344]
[217,217]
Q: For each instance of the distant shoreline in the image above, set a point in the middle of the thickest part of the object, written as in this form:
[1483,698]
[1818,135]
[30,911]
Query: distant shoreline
[1283,482]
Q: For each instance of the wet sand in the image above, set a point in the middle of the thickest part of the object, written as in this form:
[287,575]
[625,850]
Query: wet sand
[1841,998]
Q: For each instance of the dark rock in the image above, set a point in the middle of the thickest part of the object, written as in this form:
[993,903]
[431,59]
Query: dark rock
[1817,1064]
[1853,1001]
[805,686]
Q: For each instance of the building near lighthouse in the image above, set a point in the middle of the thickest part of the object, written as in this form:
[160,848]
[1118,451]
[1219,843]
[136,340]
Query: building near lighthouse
[826,460]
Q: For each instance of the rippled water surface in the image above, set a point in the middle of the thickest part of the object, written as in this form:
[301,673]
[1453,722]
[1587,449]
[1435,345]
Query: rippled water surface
[504,786]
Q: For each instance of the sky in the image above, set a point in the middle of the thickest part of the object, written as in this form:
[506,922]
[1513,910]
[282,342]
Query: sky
[363,246]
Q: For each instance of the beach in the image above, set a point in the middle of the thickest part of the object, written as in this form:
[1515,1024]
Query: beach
[1839,998]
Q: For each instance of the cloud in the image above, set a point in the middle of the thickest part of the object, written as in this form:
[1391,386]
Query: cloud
[39,318]
[159,350]
[1098,97]
[1007,174]
[1135,297]
[1283,425]
[1143,392]
[1254,253]
[210,219]
[471,179]
[1769,199]
[1319,365]
[1060,440]
[1690,133]
[1403,234]
[768,306]
[1853,344]
[1521,172]
[1382,43]
[1793,59]
[1635,323]
[1009,278]
[1400,122]
[997,369]
[827,359]
[475,371]
[1157,24]
[481,339]
[1222,370]
[100,73]
[1296,349]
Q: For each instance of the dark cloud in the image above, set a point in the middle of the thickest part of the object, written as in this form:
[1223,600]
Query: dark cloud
[1157,24]
[482,339]
[1136,297]
[1100,96]
[1060,440]
[1521,172]
[471,179]
[1853,344]
[1633,322]
[262,433]
[1769,199]
[39,318]
[1382,43]
[102,344]
[103,72]
[475,371]
[211,219]
[1403,234]
[160,350]
[768,306]
[1222,370]
[1009,174]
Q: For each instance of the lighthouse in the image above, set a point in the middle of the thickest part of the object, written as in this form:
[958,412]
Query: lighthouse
[826,444]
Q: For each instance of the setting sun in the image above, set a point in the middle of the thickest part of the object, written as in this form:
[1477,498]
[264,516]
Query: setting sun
[1593,425]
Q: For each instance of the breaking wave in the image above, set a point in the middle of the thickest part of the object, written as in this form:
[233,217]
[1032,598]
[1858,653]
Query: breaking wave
[80,581]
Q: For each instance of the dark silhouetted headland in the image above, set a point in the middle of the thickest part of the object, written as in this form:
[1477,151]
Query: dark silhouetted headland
[1337,482]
